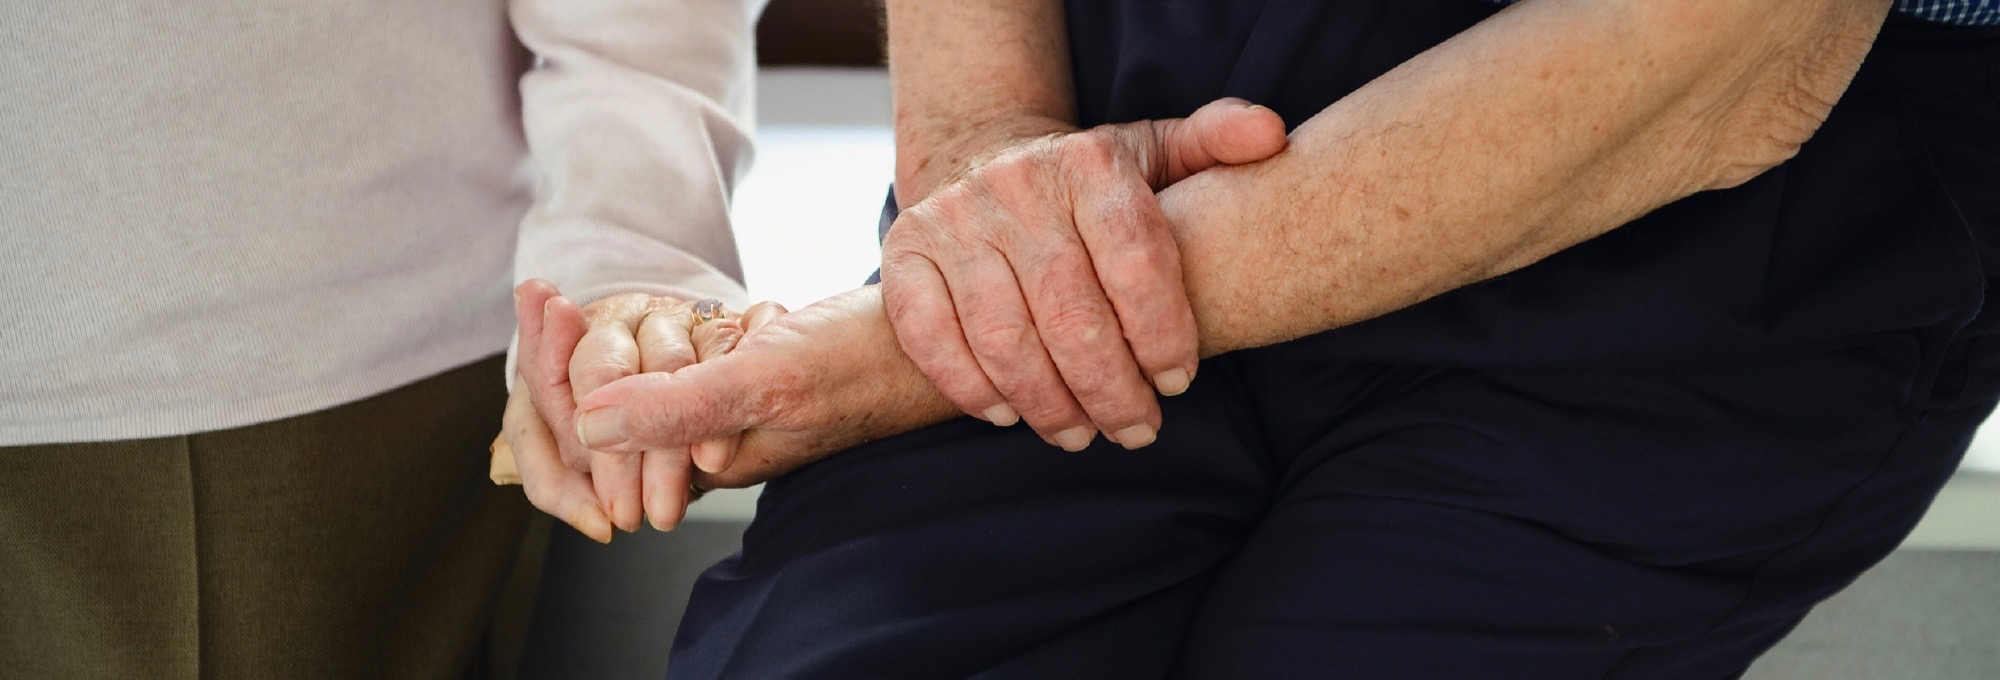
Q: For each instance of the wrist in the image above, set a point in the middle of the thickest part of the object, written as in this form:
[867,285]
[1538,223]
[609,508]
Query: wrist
[932,156]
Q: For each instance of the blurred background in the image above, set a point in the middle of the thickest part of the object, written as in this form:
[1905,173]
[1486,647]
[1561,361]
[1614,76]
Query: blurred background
[806,225]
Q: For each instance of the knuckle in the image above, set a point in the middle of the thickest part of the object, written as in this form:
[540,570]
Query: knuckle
[898,240]
[1096,147]
[997,338]
[598,357]
[1100,394]
[1141,262]
[1067,260]
[666,304]
[1009,171]
[1076,325]
[928,228]
[612,306]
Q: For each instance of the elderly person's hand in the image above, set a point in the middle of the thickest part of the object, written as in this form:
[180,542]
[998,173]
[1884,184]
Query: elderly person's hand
[565,353]
[1044,283]
[798,386]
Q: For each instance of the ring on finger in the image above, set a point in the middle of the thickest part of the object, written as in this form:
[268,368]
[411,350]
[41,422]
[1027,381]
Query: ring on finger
[706,310]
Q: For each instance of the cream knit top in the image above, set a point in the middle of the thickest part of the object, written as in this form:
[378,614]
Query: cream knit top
[214,214]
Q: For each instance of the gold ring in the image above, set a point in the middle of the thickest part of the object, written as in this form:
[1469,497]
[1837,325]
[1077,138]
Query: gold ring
[706,310]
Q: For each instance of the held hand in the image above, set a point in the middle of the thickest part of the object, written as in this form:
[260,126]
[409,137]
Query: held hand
[798,387]
[631,334]
[564,354]
[1045,284]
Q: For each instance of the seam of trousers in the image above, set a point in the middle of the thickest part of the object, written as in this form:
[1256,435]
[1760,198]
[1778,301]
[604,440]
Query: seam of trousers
[186,444]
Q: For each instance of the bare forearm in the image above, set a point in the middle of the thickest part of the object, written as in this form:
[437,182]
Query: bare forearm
[1543,127]
[970,75]
[1548,125]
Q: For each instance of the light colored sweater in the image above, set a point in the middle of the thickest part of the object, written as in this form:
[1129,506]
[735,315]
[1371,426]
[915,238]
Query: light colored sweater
[214,214]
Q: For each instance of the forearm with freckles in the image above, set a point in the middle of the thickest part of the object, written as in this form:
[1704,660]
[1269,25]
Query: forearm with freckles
[1544,126]
[1549,124]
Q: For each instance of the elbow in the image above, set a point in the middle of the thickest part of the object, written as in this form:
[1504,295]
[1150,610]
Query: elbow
[1786,100]
[1773,130]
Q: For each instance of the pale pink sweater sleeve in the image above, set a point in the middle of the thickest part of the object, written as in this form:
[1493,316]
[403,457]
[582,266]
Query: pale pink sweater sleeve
[637,115]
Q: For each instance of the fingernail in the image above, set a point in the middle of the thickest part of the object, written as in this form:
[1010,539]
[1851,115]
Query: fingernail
[1172,381]
[1075,439]
[595,527]
[599,428]
[1002,415]
[1135,436]
[626,524]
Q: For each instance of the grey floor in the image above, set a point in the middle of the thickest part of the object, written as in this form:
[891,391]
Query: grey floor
[608,612]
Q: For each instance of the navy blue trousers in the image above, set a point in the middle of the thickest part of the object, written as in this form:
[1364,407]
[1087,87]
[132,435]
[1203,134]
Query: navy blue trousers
[1645,457]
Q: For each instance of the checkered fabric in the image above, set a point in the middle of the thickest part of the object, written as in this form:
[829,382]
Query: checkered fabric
[1954,12]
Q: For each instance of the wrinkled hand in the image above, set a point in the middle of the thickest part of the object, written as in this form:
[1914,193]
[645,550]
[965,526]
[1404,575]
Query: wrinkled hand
[1045,284]
[805,384]
[566,352]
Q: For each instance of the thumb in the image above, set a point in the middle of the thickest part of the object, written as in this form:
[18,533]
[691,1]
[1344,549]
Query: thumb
[663,410]
[1226,131]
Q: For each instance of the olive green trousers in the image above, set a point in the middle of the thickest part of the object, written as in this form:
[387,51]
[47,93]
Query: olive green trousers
[362,541]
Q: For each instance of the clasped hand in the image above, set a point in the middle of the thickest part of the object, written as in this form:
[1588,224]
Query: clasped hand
[566,353]
[1043,285]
